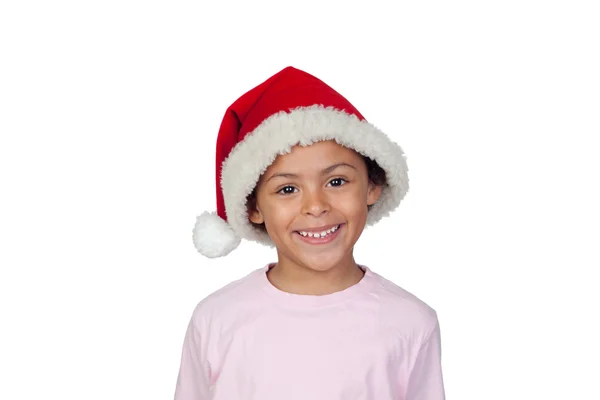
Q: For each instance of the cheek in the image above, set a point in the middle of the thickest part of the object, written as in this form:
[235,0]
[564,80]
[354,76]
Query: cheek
[353,204]
[278,215]
[356,212]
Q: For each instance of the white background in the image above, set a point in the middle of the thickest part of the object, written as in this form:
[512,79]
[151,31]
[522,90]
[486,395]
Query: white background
[108,117]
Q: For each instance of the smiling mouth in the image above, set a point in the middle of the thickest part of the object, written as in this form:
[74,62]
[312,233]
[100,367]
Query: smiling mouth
[319,234]
[322,237]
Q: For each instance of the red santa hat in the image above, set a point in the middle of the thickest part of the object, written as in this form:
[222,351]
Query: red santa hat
[290,108]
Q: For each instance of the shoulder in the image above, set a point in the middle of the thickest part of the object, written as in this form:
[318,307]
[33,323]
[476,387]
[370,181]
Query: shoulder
[229,300]
[404,309]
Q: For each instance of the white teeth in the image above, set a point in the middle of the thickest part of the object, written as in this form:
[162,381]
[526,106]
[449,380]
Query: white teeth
[319,234]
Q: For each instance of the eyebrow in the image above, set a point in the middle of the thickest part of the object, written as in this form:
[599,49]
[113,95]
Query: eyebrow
[323,172]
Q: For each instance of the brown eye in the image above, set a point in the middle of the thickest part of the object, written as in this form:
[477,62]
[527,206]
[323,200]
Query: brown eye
[287,190]
[337,182]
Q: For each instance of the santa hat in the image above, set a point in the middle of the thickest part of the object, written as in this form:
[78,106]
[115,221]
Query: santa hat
[290,108]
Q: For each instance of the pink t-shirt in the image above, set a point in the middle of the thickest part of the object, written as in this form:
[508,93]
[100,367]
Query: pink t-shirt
[252,341]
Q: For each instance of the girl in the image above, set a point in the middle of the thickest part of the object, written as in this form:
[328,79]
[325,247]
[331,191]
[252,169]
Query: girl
[301,170]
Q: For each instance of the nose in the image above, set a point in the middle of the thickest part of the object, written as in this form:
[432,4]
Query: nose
[315,203]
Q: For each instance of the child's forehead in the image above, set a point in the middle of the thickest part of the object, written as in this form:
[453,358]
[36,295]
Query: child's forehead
[318,152]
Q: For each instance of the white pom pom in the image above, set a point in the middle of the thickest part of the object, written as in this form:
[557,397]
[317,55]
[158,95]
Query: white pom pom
[214,237]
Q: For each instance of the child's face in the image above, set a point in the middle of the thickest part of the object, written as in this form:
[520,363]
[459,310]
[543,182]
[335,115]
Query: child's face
[317,186]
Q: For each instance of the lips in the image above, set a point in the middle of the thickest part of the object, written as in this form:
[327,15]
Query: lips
[320,236]
[316,232]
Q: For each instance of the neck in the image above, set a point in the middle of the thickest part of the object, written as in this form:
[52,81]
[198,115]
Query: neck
[297,278]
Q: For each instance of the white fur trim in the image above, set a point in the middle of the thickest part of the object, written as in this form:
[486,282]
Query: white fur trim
[305,125]
[213,237]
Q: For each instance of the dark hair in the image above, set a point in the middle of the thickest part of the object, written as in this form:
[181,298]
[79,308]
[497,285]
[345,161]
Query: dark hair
[375,173]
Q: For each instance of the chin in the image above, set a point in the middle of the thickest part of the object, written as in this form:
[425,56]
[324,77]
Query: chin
[316,258]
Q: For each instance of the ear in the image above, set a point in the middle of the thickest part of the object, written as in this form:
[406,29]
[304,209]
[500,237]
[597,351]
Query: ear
[373,193]
[255,216]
